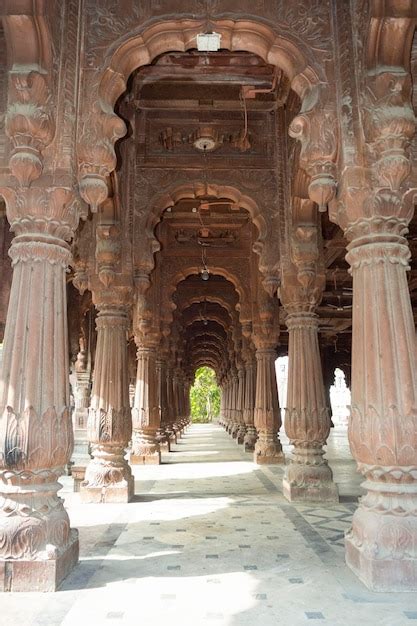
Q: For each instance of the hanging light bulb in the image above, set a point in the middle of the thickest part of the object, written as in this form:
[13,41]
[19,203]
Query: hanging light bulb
[205,274]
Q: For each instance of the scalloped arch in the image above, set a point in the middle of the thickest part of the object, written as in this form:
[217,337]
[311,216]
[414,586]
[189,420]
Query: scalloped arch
[287,51]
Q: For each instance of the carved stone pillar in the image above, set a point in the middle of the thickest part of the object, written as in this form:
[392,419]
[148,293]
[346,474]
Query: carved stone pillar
[381,547]
[267,415]
[240,435]
[108,477]
[227,404]
[374,209]
[234,402]
[82,398]
[176,387]
[145,413]
[249,406]
[162,435]
[170,406]
[37,546]
[307,422]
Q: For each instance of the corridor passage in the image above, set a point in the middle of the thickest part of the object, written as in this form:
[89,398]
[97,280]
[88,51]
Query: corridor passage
[209,539]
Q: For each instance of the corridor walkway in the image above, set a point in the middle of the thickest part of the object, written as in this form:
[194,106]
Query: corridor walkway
[210,539]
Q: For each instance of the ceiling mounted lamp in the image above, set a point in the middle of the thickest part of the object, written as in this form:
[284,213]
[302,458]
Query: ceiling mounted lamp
[204,272]
[208,42]
[206,139]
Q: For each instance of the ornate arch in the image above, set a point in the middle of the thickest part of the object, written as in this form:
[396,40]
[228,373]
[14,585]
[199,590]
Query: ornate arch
[102,127]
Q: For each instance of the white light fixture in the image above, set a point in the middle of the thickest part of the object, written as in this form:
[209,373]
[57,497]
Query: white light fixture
[208,42]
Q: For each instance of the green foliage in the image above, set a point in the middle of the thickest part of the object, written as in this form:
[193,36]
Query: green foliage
[204,396]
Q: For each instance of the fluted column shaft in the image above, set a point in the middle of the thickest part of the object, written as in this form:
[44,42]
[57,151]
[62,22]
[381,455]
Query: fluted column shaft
[162,436]
[382,544]
[170,405]
[249,406]
[145,413]
[240,403]
[307,422]
[234,402]
[267,414]
[108,477]
[82,399]
[36,435]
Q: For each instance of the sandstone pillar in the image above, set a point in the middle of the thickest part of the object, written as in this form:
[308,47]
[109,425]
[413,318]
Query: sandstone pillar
[381,547]
[145,413]
[162,435]
[227,403]
[108,477]
[234,402]
[307,423]
[37,546]
[374,210]
[249,406]
[267,413]
[240,435]
[170,405]
[82,399]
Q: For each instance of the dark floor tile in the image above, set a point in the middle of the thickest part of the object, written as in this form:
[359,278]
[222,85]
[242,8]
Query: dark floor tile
[250,567]
[411,614]
[148,538]
[314,615]
[174,567]
[295,580]
[260,596]
[244,545]
[212,556]
[177,545]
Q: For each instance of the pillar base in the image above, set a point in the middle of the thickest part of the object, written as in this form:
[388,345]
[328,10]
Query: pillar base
[381,546]
[270,459]
[309,481]
[165,446]
[78,475]
[319,492]
[39,574]
[146,459]
[240,437]
[268,450]
[385,575]
[119,493]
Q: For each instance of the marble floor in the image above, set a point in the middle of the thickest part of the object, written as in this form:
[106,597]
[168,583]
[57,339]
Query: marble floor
[209,539]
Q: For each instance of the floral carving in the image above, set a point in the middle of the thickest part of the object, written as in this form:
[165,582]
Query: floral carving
[29,124]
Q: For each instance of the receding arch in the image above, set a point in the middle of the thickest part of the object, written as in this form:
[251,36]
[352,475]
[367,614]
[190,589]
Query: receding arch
[197,190]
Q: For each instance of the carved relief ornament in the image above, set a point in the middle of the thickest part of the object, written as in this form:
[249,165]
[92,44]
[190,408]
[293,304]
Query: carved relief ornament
[29,124]
[316,128]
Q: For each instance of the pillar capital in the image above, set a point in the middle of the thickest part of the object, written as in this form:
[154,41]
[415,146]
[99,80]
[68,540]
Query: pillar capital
[43,214]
